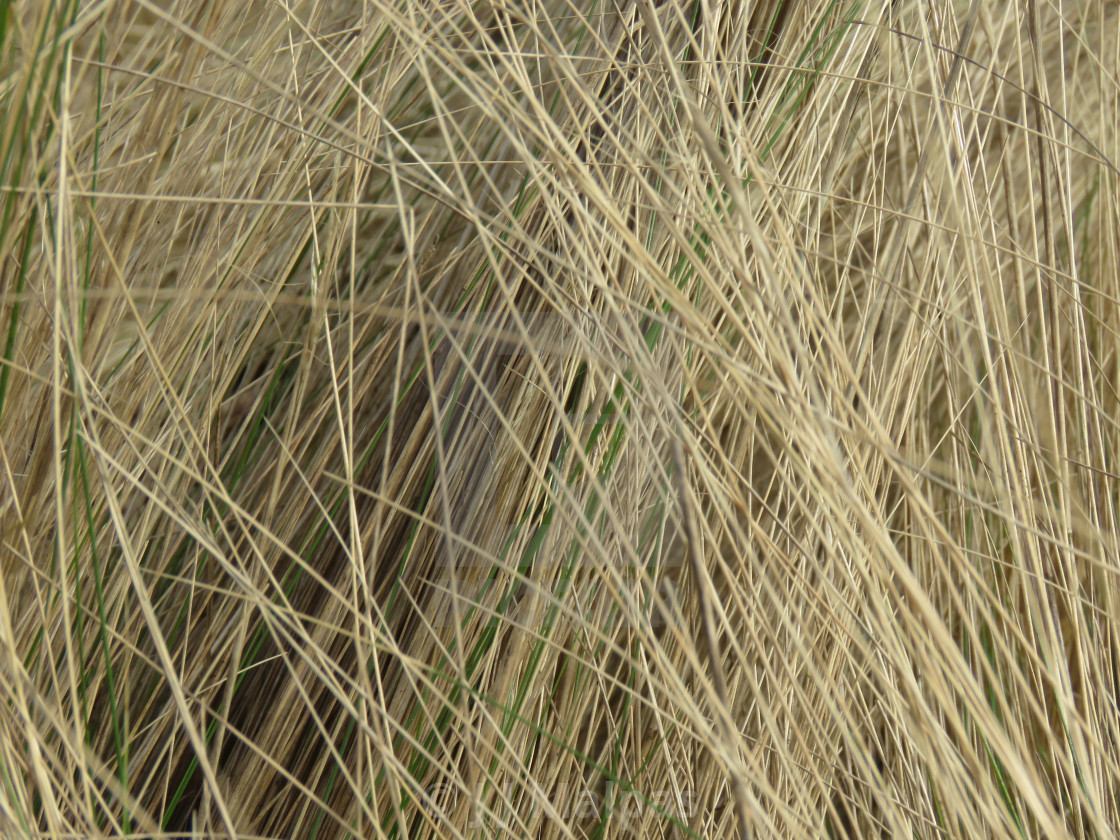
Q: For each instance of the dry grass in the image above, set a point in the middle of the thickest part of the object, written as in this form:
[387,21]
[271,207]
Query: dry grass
[532,419]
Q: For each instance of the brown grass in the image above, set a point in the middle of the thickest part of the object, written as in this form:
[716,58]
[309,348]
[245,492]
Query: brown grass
[508,419]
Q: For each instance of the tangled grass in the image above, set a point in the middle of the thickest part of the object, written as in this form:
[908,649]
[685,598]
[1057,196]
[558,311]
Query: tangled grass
[656,418]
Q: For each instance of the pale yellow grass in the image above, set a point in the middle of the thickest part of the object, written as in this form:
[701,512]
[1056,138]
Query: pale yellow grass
[532,419]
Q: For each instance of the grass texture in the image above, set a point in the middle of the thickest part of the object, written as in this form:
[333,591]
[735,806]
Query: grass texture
[534,419]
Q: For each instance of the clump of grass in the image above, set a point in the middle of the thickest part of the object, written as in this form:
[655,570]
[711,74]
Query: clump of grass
[539,420]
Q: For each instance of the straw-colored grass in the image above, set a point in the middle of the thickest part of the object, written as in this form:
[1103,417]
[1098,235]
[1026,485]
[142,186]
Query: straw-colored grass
[556,420]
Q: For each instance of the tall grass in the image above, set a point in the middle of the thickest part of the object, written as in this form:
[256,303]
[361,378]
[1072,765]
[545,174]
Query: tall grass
[506,419]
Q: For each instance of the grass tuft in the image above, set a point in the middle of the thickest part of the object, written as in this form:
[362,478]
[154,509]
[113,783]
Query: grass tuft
[538,420]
